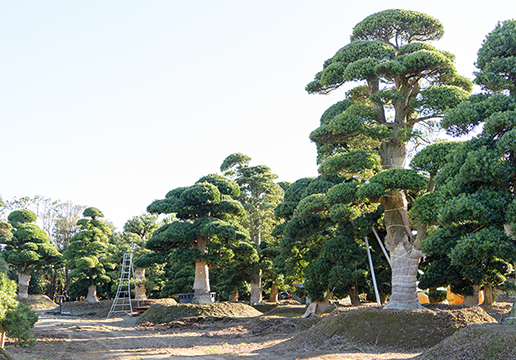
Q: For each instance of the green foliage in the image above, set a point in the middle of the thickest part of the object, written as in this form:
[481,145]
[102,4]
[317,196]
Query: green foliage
[360,163]
[92,213]
[87,255]
[16,319]
[28,247]
[497,58]
[22,216]
[401,25]
[400,179]
[432,158]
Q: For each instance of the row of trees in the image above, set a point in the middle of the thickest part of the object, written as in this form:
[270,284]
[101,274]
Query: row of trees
[452,207]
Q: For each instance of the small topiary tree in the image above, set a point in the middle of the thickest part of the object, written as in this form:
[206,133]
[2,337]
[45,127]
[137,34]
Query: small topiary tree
[87,257]
[207,217]
[29,248]
[259,195]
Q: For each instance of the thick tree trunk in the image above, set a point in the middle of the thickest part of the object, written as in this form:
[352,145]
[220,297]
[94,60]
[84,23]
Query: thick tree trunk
[405,262]
[319,307]
[201,285]
[256,274]
[256,287]
[399,240]
[488,294]
[404,254]
[234,295]
[274,293]
[23,285]
[353,295]
[472,300]
[139,277]
[92,294]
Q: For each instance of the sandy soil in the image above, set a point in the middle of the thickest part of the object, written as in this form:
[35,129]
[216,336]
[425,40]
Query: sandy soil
[73,338]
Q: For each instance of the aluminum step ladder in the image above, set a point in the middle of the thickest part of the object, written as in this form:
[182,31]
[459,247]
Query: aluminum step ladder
[122,302]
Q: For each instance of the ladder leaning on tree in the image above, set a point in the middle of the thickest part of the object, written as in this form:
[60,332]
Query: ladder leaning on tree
[122,302]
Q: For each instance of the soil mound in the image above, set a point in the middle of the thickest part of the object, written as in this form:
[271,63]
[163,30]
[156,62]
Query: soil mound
[287,311]
[159,313]
[486,341]
[373,326]
[39,302]
[104,311]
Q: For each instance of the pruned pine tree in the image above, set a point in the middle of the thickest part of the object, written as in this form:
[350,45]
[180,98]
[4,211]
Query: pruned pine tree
[87,255]
[207,214]
[29,248]
[477,203]
[259,196]
[403,82]
[137,231]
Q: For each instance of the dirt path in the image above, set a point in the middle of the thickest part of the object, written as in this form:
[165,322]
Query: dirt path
[74,338]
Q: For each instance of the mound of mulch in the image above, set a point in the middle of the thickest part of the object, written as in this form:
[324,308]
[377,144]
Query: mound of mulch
[486,341]
[39,302]
[159,313]
[373,326]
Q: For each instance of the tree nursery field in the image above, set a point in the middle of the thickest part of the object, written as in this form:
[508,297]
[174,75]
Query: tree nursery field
[234,330]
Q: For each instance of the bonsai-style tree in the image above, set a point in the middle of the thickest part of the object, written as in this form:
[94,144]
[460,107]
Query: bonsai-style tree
[403,82]
[476,189]
[87,255]
[137,231]
[259,196]
[29,248]
[323,238]
[207,216]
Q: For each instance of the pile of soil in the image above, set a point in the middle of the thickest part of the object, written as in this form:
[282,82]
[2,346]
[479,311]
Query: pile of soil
[102,313]
[373,326]
[39,302]
[160,313]
[487,341]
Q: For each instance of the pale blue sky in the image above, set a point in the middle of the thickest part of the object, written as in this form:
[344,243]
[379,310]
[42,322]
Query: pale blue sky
[114,103]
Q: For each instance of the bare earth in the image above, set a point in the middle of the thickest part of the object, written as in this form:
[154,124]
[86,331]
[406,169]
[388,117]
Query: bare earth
[78,337]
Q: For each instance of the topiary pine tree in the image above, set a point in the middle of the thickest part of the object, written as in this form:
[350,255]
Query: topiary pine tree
[207,214]
[87,255]
[476,187]
[404,81]
[137,231]
[259,196]
[29,248]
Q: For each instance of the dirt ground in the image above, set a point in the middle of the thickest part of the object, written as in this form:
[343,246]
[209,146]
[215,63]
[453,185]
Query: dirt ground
[270,336]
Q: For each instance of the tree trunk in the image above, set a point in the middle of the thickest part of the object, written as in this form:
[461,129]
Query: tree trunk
[234,295]
[400,242]
[139,277]
[256,274]
[404,255]
[319,307]
[274,293]
[353,295]
[2,339]
[201,285]
[23,285]
[472,300]
[404,278]
[488,294]
[256,287]
[92,294]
